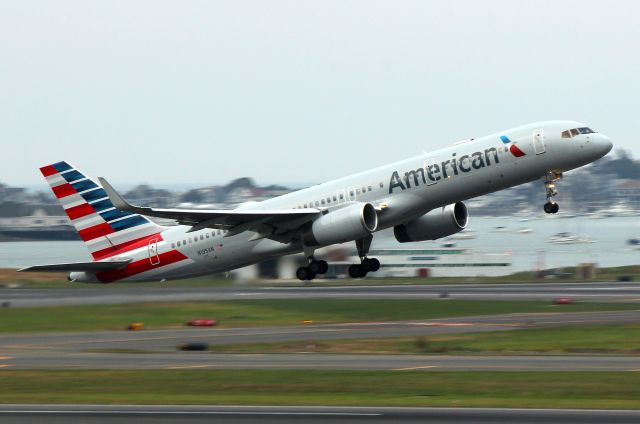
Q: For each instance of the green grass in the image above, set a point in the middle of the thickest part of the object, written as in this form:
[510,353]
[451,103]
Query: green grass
[269,312]
[312,387]
[603,339]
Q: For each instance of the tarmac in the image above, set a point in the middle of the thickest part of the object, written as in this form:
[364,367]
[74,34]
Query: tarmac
[98,414]
[157,349]
[129,293]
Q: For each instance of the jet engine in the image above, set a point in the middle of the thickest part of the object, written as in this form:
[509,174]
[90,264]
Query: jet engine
[436,223]
[338,226]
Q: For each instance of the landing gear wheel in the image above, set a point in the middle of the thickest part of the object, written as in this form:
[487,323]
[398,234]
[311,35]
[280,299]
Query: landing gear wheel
[375,264]
[319,267]
[314,267]
[367,265]
[304,273]
[551,207]
[324,267]
[356,271]
[370,264]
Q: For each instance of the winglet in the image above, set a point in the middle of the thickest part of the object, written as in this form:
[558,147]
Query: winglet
[115,198]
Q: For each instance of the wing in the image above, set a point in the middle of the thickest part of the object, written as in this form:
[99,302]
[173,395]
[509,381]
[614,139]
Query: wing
[78,266]
[267,223]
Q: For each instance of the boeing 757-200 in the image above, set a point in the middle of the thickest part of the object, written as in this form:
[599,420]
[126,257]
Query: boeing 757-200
[421,198]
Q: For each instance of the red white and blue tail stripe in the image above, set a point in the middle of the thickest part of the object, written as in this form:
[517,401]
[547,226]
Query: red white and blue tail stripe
[105,230]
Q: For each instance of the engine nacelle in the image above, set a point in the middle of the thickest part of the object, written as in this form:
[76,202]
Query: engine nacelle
[437,223]
[338,226]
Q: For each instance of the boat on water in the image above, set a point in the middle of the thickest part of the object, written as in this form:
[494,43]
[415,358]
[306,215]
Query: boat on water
[568,238]
[524,230]
[499,229]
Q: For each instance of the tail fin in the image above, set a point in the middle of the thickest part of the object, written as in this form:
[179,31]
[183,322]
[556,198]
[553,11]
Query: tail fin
[105,230]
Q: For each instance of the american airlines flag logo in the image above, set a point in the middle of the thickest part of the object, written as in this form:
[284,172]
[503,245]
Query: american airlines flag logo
[515,151]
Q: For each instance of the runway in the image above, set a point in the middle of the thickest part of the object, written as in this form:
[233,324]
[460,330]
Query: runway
[116,294]
[157,349]
[97,414]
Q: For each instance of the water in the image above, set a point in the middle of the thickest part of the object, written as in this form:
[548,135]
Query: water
[529,251]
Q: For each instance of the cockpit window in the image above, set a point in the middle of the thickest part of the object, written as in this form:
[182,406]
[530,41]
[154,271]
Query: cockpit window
[576,131]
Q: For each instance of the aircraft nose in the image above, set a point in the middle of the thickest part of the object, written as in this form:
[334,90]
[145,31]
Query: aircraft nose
[602,144]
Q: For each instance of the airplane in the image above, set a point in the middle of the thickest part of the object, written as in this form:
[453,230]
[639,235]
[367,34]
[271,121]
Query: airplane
[421,198]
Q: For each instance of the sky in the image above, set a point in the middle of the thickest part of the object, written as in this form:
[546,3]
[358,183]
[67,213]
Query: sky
[298,92]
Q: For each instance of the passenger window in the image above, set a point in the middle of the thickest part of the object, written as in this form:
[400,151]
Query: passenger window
[322,201]
[317,203]
[335,199]
[574,132]
[357,191]
[173,245]
[369,188]
[351,192]
[381,185]
[328,199]
[341,196]
[184,242]
[207,235]
[201,237]
[566,134]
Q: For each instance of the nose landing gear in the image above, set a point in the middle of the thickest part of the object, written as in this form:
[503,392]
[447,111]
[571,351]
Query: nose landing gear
[550,187]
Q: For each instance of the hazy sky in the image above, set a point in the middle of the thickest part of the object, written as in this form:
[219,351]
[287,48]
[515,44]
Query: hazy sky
[201,92]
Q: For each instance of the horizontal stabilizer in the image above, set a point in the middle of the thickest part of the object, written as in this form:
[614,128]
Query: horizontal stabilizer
[78,266]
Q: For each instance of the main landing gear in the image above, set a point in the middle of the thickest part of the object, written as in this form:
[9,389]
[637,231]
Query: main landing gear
[550,187]
[309,272]
[366,264]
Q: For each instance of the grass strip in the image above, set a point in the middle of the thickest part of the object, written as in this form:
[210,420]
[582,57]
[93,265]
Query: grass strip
[618,390]
[269,312]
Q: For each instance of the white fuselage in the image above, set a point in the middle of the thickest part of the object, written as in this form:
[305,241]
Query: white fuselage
[402,191]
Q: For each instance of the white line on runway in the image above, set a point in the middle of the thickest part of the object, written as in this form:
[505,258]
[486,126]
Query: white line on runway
[423,367]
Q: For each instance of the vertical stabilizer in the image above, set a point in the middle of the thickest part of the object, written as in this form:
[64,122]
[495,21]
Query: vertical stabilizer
[105,230]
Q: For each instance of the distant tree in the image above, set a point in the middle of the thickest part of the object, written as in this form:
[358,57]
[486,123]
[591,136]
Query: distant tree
[622,166]
[192,196]
[244,182]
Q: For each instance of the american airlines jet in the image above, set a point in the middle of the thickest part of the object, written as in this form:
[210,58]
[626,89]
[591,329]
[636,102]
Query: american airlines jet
[420,197]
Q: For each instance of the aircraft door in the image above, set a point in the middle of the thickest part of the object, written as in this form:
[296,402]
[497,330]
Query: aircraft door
[153,252]
[538,142]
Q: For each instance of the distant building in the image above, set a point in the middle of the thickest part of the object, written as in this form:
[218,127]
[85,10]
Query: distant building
[627,192]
